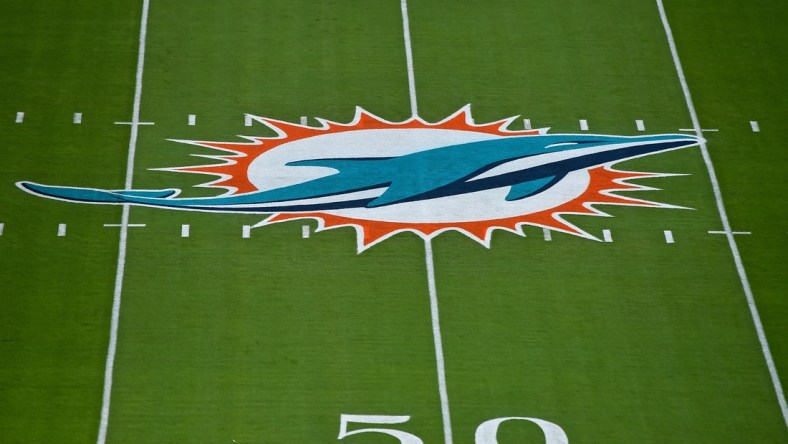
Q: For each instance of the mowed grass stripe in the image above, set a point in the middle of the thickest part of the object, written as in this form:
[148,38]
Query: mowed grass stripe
[55,291]
[537,349]
[270,337]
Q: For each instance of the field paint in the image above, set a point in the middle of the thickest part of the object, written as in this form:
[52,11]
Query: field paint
[527,124]
[2,226]
[436,334]
[414,108]
[124,231]
[756,318]
[77,118]
[135,123]
[248,120]
[607,236]
[305,231]
[185,230]
[639,124]
[730,232]
[755,127]
[20,117]
[192,120]
[303,120]
[669,237]
[246,231]
[61,230]
[548,236]
[703,130]
[127,225]
[583,125]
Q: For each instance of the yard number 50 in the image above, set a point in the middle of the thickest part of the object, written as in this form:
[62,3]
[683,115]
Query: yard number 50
[486,433]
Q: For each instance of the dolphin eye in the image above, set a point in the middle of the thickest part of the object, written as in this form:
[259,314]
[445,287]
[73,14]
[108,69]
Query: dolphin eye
[554,145]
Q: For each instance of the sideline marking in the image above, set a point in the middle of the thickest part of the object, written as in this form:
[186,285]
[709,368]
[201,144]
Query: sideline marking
[124,232]
[548,236]
[303,120]
[606,236]
[414,108]
[730,232]
[247,120]
[185,230]
[2,225]
[436,334]
[583,125]
[77,118]
[61,230]
[755,127]
[246,231]
[192,120]
[133,124]
[20,117]
[669,237]
[639,124]
[305,231]
[527,124]
[756,318]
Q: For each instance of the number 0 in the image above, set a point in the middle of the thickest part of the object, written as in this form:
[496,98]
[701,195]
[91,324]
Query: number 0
[487,433]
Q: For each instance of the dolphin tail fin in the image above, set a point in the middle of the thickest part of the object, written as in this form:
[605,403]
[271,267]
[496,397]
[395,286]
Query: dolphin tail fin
[93,195]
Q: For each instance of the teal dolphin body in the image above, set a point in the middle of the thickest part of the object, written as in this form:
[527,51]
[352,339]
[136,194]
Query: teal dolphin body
[526,164]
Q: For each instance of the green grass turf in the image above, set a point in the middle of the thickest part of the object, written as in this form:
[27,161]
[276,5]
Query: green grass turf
[56,293]
[270,339]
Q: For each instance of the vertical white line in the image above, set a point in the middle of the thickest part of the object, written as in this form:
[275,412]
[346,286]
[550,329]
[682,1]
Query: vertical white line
[185,230]
[527,124]
[756,318]
[414,108]
[755,127]
[640,126]
[305,231]
[583,125]
[77,118]
[61,230]
[20,117]
[607,236]
[192,120]
[246,231]
[2,226]
[248,120]
[668,236]
[124,231]
[304,120]
[436,334]
[548,236]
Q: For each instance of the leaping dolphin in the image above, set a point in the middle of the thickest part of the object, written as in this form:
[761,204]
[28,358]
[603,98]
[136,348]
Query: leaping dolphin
[527,164]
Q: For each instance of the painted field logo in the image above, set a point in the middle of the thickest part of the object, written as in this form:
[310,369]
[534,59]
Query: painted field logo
[388,177]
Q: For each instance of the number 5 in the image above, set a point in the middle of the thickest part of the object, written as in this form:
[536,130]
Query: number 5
[404,437]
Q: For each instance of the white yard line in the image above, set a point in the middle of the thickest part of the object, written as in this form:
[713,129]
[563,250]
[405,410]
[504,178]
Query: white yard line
[527,124]
[436,328]
[583,125]
[436,334]
[61,230]
[192,120]
[756,318]
[77,118]
[120,270]
[755,127]
[640,125]
[607,236]
[20,117]
[414,108]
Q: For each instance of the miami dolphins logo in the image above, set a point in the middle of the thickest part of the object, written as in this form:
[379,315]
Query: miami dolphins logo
[383,178]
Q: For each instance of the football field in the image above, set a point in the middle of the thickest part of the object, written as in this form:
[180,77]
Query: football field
[648,308]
